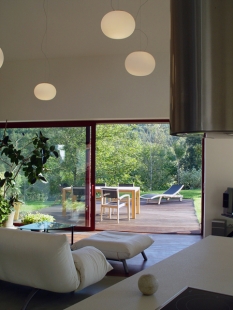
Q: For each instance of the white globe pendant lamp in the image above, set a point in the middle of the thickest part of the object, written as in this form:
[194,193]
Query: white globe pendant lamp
[140,63]
[118,24]
[45,91]
[1,57]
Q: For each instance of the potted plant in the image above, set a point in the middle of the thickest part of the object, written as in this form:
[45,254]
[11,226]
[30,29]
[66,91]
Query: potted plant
[31,159]
[5,209]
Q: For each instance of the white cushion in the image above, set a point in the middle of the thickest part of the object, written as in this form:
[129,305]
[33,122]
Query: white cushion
[115,244]
[35,259]
[91,265]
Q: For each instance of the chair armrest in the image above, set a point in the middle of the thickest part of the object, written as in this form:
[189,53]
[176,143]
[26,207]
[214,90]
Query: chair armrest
[124,196]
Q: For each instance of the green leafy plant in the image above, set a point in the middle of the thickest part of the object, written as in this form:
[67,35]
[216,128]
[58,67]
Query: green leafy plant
[31,158]
[5,209]
[37,218]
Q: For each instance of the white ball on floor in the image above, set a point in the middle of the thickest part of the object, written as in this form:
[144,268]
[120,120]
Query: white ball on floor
[148,284]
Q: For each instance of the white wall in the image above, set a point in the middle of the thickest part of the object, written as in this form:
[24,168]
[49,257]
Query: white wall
[218,176]
[88,88]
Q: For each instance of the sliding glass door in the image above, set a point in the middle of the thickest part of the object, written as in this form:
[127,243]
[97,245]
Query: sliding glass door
[67,193]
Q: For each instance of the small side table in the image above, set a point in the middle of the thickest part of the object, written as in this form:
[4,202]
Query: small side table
[46,226]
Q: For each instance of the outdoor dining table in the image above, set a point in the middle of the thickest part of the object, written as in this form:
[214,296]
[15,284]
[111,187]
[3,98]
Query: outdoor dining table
[134,191]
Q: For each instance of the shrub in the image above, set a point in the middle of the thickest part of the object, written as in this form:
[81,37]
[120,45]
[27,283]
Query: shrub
[191,178]
[37,218]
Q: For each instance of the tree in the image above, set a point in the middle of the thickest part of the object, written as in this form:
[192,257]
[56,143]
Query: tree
[179,149]
[71,143]
[117,153]
[157,169]
[193,155]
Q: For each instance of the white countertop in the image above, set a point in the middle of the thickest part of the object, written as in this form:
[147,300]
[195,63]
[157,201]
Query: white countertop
[207,264]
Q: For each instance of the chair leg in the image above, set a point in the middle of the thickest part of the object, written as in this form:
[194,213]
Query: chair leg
[101,214]
[144,255]
[128,205]
[125,266]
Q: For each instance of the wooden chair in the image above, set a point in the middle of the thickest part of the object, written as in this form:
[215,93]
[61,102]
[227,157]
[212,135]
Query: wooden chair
[78,193]
[98,195]
[111,199]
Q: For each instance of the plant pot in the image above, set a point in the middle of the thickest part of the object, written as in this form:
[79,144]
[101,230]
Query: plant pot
[9,222]
[17,209]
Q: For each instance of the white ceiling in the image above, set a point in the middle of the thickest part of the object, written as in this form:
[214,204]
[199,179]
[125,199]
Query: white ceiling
[74,28]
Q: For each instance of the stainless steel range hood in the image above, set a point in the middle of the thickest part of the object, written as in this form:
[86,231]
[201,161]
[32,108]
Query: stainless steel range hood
[201,66]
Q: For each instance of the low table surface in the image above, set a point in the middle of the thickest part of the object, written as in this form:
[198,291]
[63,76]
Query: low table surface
[205,265]
[46,226]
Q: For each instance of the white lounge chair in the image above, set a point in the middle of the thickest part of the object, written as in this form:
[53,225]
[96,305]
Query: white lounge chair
[172,192]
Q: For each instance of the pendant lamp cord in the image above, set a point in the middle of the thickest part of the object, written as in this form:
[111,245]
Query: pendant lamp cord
[139,29]
[139,9]
[113,6]
[47,65]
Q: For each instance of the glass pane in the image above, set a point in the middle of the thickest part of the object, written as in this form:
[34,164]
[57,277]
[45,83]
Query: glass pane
[147,156]
[71,170]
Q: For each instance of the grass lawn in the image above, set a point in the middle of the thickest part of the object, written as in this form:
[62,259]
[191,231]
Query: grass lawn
[35,205]
[194,194]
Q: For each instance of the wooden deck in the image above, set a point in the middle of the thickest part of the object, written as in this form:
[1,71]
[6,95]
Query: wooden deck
[170,217]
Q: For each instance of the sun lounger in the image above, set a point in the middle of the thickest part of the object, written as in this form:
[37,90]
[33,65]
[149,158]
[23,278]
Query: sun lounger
[172,192]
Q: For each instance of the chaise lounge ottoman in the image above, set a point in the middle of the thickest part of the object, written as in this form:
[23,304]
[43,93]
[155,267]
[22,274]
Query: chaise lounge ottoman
[117,245]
